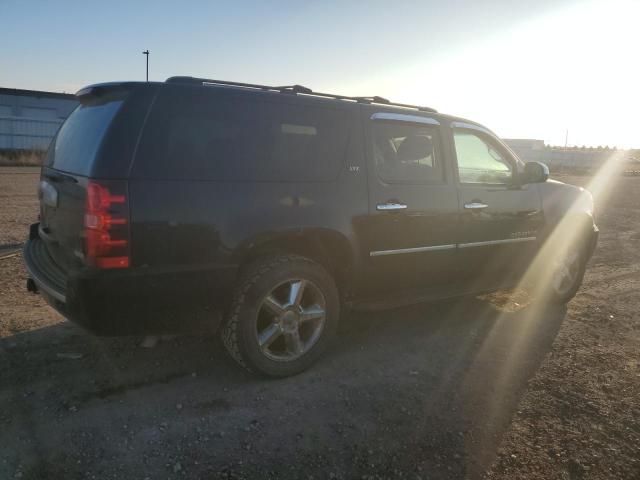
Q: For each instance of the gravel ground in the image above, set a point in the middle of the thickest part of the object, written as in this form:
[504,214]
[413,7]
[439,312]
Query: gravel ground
[486,387]
[580,416]
[18,203]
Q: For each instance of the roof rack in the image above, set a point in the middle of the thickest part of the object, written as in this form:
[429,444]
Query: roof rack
[295,90]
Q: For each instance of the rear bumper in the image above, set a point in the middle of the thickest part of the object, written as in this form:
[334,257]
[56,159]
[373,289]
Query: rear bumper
[47,276]
[136,301]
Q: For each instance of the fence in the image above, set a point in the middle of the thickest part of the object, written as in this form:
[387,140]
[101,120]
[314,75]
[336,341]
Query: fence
[569,159]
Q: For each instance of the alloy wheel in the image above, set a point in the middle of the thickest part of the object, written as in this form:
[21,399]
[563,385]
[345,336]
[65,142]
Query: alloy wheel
[290,320]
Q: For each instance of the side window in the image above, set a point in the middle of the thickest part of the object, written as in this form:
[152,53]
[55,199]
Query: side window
[196,134]
[479,161]
[407,153]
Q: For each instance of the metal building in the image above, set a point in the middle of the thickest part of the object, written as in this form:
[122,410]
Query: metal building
[29,118]
[563,158]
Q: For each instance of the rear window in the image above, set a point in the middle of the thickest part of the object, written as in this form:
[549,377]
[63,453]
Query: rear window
[76,145]
[201,135]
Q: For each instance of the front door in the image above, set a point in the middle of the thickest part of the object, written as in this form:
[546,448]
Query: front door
[409,235]
[500,221]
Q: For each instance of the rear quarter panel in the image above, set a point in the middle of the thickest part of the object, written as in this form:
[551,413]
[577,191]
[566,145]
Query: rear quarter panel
[203,224]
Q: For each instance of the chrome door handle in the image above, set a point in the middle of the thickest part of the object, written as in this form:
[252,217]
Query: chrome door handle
[475,206]
[391,206]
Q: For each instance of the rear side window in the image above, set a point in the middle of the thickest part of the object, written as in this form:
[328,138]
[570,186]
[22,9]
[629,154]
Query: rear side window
[200,135]
[407,153]
[78,140]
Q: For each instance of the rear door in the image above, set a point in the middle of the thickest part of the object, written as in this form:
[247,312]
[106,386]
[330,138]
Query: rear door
[409,234]
[500,220]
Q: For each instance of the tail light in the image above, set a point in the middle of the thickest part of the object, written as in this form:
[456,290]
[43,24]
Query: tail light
[106,225]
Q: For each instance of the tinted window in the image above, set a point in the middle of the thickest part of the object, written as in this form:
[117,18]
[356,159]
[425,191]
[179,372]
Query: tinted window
[479,161]
[196,134]
[76,145]
[405,153]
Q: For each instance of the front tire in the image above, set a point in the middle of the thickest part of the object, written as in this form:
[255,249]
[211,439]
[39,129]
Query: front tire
[567,274]
[284,313]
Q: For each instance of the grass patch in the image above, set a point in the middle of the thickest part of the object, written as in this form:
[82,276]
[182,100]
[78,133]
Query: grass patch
[21,158]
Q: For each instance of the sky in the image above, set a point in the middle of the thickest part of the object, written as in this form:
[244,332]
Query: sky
[525,69]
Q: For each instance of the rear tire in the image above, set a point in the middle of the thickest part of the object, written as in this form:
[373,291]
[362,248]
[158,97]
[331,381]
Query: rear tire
[284,313]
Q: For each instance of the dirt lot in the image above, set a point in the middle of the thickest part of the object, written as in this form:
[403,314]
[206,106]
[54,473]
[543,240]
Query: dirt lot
[482,387]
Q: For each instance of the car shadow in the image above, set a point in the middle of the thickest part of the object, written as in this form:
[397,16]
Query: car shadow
[428,389]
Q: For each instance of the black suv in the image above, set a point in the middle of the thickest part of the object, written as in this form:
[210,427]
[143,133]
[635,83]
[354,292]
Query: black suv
[198,203]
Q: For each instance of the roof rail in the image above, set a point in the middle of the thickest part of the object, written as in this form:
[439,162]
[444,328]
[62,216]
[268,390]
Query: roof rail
[294,89]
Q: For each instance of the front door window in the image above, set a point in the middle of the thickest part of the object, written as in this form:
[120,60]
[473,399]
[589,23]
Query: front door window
[479,161]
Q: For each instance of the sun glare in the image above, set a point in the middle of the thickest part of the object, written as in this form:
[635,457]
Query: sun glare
[544,272]
[572,68]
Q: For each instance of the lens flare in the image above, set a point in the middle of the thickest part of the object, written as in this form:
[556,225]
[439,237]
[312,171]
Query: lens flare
[541,281]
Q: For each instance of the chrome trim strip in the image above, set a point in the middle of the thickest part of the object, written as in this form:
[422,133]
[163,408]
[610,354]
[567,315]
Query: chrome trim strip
[401,117]
[496,242]
[472,126]
[380,253]
[391,206]
[475,206]
[435,248]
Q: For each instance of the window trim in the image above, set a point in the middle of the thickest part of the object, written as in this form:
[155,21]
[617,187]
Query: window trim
[471,126]
[401,117]
[488,137]
[410,120]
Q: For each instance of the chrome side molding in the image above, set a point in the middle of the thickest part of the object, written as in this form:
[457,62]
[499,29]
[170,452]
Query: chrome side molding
[435,248]
[497,242]
[380,253]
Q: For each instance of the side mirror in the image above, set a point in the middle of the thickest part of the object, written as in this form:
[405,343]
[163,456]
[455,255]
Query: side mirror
[534,172]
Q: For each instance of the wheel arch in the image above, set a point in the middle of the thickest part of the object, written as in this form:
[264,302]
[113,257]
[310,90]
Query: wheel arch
[327,247]
[574,229]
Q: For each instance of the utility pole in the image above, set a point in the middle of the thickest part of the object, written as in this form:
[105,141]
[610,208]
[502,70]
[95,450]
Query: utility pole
[566,139]
[146,52]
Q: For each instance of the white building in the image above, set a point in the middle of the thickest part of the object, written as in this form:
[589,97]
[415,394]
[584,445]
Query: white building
[29,118]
